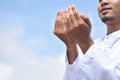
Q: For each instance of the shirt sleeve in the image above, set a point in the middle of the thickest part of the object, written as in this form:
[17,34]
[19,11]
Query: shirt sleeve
[72,72]
[94,65]
[81,69]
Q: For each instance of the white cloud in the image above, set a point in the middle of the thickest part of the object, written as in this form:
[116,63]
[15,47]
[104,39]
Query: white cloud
[24,64]
[52,68]
[5,72]
[9,32]
[44,68]
[33,41]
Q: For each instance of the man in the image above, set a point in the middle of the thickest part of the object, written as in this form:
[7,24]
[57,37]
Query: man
[101,59]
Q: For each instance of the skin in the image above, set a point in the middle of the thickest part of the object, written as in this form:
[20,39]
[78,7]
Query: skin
[74,28]
[112,14]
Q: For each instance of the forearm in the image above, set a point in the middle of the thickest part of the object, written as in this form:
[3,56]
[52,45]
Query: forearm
[85,44]
[72,53]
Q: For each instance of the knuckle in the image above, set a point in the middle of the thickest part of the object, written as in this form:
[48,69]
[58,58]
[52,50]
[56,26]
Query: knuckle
[59,12]
[86,17]
[80,23]
[76,25]
[55,32]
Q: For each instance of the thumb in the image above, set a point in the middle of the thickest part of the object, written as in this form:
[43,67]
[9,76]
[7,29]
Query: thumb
[86,19]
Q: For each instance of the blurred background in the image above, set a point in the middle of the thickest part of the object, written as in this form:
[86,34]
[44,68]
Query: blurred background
[28,48]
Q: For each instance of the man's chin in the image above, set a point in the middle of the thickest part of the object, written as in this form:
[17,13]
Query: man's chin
[107,19]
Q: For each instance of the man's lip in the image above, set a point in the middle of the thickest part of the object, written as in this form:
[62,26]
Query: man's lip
[104,9]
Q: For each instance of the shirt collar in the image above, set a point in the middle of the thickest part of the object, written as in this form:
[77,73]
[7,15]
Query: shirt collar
[114,34]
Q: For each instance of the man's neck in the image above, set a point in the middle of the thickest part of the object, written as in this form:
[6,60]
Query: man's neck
[112,28]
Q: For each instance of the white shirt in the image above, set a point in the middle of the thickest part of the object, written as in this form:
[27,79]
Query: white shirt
[101,61]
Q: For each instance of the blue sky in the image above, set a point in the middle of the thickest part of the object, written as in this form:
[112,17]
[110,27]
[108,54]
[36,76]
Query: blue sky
[28,48]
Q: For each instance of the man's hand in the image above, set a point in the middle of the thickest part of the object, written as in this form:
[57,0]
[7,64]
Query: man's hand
[73,28]
[79,28]
[61,28]
[61,31]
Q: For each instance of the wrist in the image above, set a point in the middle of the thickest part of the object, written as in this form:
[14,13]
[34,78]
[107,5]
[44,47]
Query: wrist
[71,44]
[86,43]
[72,53]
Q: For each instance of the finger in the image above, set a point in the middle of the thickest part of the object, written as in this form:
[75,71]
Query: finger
[64,21]
[59,16]
[71,15]
[75,12]
[64,16]
[86,19]
[77,15]
[58,21]
[68,21]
